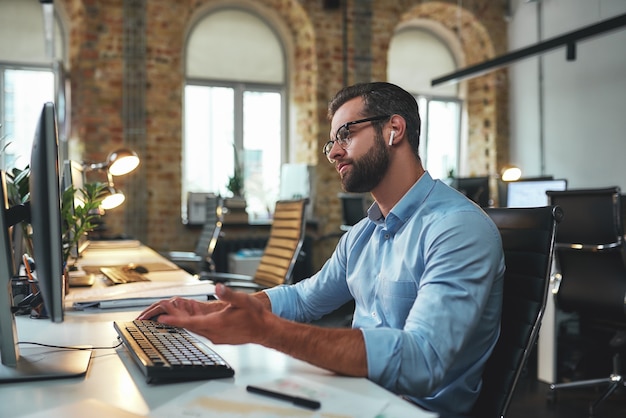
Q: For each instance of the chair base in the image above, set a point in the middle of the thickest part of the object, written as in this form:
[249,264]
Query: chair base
[614,382]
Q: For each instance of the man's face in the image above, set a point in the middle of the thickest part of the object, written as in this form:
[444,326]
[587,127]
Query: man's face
[363,163]
[367,170]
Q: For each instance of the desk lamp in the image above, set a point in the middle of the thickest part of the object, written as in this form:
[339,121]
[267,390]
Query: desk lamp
[510,173]
[118,163]
[113,198]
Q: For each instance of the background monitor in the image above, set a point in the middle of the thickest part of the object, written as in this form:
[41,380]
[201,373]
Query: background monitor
[353,208]
[34,362]
[74,175]
[475,188]
[532,193]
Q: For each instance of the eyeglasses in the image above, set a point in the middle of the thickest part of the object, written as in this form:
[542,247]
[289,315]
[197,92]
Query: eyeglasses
[342,137]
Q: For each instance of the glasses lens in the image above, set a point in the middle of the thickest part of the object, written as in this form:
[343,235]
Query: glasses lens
[343,136]
[327,147]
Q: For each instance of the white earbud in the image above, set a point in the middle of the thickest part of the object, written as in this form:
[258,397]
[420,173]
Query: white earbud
[391,135]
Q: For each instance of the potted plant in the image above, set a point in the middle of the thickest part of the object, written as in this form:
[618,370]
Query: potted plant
[80,210]
[77,219]
[235,182]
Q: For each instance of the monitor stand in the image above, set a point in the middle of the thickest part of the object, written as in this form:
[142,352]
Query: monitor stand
[44,363]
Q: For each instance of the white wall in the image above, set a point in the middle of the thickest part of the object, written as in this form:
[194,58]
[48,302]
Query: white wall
[580,107]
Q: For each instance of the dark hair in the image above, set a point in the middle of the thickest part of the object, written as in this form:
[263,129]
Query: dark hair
[380,98]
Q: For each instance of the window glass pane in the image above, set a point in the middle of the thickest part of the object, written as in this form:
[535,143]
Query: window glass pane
[443,138]
[209,138]
[24,93]
[440,139]
[262,151]
[259,53]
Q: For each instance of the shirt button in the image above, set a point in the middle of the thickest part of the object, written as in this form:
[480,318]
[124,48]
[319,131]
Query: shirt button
[374,314]
[386,236]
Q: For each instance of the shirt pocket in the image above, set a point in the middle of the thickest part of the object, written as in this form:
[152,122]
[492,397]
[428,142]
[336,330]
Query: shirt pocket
[397,299]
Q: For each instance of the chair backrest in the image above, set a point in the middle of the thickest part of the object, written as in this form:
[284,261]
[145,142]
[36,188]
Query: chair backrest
[591,217]
[528,241]
[590,253]
[284,243]
[212,227]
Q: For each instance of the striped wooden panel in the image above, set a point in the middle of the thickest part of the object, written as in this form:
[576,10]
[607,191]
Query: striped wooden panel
[286,237]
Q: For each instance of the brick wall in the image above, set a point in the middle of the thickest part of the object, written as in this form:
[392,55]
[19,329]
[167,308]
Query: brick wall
[319,63]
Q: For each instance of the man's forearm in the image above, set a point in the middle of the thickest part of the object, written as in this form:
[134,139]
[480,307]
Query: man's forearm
[338,350]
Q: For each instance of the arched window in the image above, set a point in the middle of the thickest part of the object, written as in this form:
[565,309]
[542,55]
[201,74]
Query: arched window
[29,51]
[234,108]
[416,56]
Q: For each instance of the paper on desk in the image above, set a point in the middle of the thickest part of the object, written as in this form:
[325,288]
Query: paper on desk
[221,400]
[137,293]
[91,408]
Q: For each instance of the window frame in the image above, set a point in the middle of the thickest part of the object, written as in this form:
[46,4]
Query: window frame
[239,89]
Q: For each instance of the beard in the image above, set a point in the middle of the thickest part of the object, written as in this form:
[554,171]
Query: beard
[368,170]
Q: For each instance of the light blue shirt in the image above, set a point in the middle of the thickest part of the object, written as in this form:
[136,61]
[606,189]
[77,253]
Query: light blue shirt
[427,284]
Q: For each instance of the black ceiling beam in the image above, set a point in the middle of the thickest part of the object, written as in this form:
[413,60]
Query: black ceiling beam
[569,40]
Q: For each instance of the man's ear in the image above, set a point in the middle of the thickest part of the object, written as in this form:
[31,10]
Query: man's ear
[398,127]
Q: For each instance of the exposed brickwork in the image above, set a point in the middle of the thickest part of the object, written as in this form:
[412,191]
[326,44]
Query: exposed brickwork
[317,64]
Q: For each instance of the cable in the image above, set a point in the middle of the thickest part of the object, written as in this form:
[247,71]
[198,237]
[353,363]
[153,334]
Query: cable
[69,347]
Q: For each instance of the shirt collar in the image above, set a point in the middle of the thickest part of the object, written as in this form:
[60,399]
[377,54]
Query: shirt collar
[405,207]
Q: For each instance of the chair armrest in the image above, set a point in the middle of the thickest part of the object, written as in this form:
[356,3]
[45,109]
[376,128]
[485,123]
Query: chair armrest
[232,280]
[225,277]
[183,256]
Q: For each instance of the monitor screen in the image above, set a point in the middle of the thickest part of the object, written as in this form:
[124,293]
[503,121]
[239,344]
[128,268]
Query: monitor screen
[353,208]
[33,362]
[475,188]
[532,193]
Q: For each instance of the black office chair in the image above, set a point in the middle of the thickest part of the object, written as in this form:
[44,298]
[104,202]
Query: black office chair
[528,243]
[592,275]
[201,259]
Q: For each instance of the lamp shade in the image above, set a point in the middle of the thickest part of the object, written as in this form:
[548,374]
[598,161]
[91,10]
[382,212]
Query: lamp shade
[511,173]
[113,198]
[122,161]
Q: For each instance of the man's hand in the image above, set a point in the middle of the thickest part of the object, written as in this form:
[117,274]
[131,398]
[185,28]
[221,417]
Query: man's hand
[236,318]
[189,306]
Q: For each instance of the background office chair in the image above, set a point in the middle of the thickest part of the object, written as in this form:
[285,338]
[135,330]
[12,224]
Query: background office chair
[280,254]
[592,275]
[528,243]
[201,259]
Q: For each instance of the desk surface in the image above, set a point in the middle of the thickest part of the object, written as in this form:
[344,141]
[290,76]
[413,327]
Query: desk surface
[114,380]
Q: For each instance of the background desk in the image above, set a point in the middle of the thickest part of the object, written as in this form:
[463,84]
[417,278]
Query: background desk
[114,379]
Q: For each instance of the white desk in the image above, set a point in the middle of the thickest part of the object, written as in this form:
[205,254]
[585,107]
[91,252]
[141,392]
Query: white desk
[114,379]
[105,253]
[166,279]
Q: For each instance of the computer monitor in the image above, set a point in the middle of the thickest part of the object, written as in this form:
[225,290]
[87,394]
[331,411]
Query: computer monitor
[503,187]
[33,362]
[532,193]
[353,208]
[475,188]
